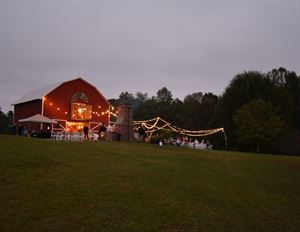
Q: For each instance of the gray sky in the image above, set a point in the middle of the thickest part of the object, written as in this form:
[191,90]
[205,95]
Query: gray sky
[187,46]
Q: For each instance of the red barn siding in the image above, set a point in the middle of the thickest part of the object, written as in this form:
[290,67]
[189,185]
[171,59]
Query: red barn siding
[27,109]
[57,104]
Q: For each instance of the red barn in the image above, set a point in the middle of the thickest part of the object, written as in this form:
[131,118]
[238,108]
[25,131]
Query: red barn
[73,104]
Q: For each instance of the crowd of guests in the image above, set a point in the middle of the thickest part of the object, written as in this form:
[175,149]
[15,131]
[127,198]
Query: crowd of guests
[185,142]
[22,130]
[140,134]
[114,133]
[104,133]
[195,144]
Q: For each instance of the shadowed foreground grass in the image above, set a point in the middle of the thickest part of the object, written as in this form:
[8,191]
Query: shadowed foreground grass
[109,186]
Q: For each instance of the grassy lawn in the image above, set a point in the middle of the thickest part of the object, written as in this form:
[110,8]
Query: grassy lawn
[109,186]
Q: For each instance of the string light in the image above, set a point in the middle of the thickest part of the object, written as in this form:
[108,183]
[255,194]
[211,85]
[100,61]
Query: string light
[152,125]
[83,111]
[111,113]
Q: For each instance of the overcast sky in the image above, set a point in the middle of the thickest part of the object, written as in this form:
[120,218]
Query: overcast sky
[187,46]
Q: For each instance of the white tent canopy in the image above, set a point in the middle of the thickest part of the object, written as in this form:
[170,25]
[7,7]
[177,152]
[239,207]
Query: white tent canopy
[38,118]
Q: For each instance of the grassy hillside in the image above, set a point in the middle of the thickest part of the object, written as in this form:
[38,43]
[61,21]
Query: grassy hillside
[110,186]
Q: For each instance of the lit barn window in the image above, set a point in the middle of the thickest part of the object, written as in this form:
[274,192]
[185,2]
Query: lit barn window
[80,109]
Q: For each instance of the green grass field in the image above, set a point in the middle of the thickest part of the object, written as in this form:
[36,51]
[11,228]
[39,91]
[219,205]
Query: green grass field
[110,186]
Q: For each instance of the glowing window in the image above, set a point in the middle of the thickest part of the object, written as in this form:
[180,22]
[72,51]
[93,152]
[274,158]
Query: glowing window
[81,111]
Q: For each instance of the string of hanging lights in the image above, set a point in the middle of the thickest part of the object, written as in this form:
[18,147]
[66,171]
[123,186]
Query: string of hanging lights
[152,125]
[80,110]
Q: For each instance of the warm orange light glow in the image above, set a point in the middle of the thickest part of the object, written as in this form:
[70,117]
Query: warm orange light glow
[99,107]
[112,108]
[66,112]
[58,108]
[51,104]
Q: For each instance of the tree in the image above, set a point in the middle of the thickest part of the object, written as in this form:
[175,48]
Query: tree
[146,110]
[257,124]
[141,97]
[193,97]
[126,97]
[289,84]
[4,122]
[244,88]
[209,106]
[164,95]
[10,117]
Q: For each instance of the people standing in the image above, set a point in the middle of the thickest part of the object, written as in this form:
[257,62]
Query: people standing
[102,132]
[25,131]
[15,130]
[141,133]
[109,128]
[86,132]
[119,133]
[209,145]
[160,143]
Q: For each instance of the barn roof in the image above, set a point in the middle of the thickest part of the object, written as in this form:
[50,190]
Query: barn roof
[37,93]
[44,91]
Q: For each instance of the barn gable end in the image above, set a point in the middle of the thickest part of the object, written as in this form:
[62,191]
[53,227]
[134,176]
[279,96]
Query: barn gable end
[73,103]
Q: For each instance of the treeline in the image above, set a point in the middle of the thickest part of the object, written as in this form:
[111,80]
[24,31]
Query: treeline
[260,112]
[6,122]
